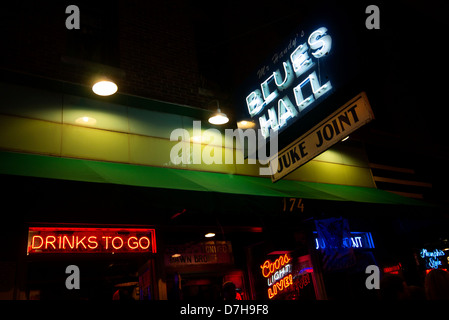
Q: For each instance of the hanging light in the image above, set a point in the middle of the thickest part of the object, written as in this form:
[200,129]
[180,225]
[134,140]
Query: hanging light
[218,117]
[104,88]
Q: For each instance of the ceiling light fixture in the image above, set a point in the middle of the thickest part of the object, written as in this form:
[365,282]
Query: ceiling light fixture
[218,117]
[104,88]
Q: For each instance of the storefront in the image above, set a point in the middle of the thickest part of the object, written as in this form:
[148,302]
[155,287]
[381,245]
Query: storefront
[117,174]
[136,196]
[113,262]
[197,271]
[272,254]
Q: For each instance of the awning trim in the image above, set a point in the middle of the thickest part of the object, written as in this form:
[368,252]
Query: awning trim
[41,166]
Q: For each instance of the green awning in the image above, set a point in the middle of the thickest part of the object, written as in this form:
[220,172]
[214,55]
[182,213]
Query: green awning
[167,178]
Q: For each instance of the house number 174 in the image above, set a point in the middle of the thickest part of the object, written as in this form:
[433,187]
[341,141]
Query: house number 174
[293,204]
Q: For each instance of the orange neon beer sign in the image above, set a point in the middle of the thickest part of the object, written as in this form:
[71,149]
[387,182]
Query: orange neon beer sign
[268,268]
[278,274]
[90,240]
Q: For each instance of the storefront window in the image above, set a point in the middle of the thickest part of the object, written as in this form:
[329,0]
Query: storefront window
[280,274]
[107,263]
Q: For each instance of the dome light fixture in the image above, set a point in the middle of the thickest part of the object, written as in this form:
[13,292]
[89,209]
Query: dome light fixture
[104,88]
[219,117]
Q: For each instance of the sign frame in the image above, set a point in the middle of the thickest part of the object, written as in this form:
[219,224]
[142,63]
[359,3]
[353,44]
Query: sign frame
[304,148]
[90,240]
[202,254]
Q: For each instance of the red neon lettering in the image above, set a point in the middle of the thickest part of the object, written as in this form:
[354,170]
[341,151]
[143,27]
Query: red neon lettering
[47,242]
[392,269]
[78,242]
[92,242]
[33,243]
[135,244]
[148,243]
[280,286]
[303,281]
[106,240]
[268,268]
[87,240]
[66,239]
[121,243]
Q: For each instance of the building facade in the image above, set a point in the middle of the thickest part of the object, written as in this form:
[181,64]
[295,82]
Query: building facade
[80,170]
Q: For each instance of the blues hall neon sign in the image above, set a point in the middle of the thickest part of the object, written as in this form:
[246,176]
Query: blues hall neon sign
[285,95]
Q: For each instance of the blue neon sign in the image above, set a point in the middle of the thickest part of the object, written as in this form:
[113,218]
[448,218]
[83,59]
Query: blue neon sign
[358,240]
[294,86]
[432,258]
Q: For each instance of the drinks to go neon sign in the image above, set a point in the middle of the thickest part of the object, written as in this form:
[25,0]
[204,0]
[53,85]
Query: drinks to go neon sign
[278,274]
[300,76]
[90,240]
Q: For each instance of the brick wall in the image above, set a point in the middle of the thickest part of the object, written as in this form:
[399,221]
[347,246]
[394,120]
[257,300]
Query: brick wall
[154,42]
[33,38]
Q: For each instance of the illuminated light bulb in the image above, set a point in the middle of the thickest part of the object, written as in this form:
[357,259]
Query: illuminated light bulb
[344,139]
[86,121]
[219,118]
[209,235]
[245,124]
[104,88]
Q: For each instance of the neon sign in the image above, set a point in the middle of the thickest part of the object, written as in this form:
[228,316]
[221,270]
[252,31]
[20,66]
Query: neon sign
[90,240]
[278,274]
[357,240]
[393,269]
[273,95]
[432,258]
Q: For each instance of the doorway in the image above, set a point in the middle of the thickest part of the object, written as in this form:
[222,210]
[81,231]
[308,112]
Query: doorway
[99,279]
